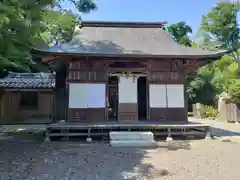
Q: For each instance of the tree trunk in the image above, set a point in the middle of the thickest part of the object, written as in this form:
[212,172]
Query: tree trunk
[237,58]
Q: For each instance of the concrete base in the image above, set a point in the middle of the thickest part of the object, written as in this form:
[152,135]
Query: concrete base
[89,139]
[208,134]
[132,139]
[169,139]
[131,136]
[208,137]
[47,139]
[133,143]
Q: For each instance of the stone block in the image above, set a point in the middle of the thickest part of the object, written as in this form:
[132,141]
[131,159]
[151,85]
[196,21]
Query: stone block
[131,136]
[133,143]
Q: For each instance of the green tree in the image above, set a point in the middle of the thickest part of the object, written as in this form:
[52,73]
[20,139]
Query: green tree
[60,23]
[218,31]
[59,27]
[32,23]
[201,88]
[221,23]
[205,41]
[179,32]
[19,29]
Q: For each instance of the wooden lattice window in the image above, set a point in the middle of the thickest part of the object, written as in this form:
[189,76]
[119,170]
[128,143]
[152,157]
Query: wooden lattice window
[29,100]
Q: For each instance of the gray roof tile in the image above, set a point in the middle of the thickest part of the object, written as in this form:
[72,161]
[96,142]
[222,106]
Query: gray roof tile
[28,81]
[102,39]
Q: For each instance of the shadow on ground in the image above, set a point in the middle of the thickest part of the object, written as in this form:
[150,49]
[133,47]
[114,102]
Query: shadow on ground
[71,160]
[222,132]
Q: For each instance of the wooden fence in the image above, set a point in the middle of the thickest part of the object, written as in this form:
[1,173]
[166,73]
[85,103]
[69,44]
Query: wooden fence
[198,110]
[229,112]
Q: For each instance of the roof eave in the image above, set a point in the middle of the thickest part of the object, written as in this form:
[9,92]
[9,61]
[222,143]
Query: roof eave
[27,88]
[123,24]
[196,57]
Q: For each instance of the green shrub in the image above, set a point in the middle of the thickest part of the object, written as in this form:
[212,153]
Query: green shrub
[190,114]
[234,90]
[209,111]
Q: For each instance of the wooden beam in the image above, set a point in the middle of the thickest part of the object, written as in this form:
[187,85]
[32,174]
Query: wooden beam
[46,59]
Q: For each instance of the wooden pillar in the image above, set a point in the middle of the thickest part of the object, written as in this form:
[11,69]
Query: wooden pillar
[185,98]
[60,94]
[127,107]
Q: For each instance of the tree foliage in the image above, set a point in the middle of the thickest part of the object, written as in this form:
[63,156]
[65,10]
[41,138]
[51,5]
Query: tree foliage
[19,29]
[59,27]
[32,23]
[218,31]
[60,22]
[213,79]
[179,32]
[221,23]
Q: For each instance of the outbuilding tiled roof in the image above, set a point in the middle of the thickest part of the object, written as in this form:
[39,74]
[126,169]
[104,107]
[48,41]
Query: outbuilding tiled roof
[28,81]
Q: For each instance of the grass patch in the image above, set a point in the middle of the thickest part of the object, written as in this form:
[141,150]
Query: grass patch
[190,114]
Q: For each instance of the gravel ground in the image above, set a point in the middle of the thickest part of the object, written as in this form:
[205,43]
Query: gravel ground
[176,160]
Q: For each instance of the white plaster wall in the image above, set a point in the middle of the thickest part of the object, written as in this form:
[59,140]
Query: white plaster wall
[96,95]
[175,95]
[157,95]
[84,95]
[127,90]
[78,95]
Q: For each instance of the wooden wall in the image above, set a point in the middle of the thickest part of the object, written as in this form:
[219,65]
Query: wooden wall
[87,72]
[11,112]
[167,91]
[169,72]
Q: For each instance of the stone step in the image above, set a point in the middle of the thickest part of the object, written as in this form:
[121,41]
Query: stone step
[131,136]
[133,143]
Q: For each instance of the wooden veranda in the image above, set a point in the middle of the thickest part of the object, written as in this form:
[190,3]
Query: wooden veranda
[102,130]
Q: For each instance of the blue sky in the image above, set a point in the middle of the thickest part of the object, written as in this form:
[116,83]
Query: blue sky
[172,11]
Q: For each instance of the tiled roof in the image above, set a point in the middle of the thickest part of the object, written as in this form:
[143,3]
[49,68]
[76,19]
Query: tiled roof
[111,38]
[28,81]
